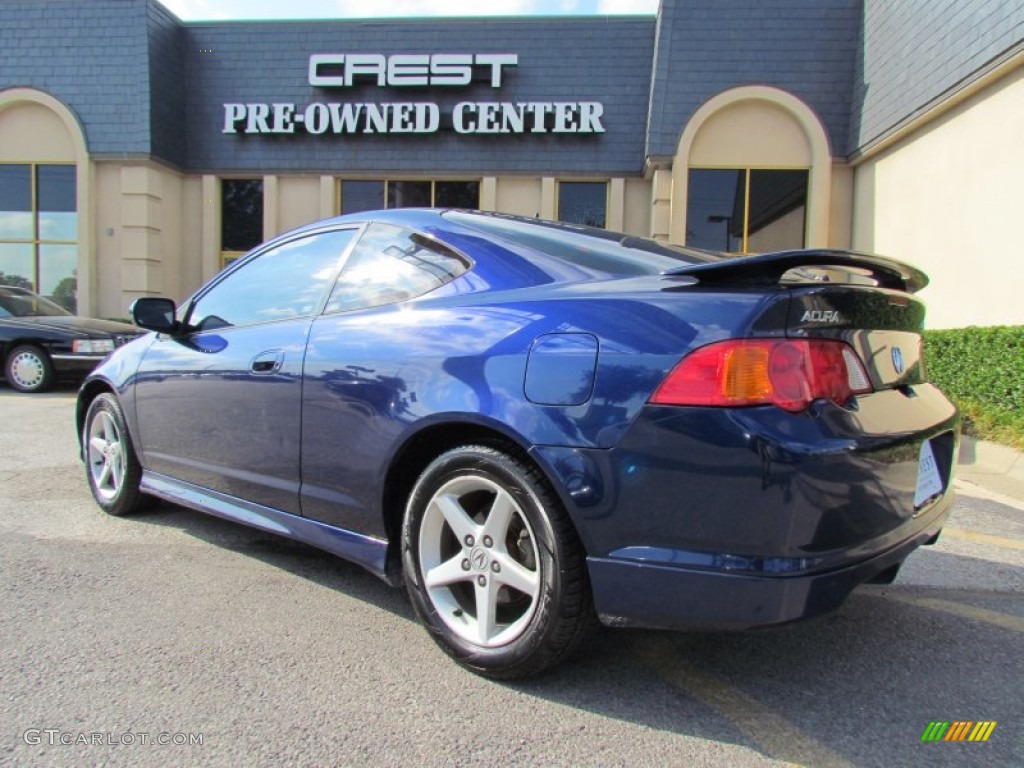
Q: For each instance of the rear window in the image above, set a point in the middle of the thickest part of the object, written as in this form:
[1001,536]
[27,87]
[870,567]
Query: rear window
[597,249]
[15,302]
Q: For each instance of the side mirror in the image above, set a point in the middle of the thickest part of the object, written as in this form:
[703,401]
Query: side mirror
[154,314]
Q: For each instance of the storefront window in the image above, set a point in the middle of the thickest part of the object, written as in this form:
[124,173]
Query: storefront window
[583,202]
[39,230]
[16,202]
[457,194]
[358,195]
[746,210]
[409,194]
[241,217]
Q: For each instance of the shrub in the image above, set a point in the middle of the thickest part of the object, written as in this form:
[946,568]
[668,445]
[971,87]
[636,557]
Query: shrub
[982,371]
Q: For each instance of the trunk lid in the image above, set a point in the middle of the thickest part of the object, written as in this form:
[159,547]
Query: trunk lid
[883,327]
[863,299]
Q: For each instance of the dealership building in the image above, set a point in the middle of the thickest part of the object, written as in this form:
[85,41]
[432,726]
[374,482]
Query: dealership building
[139,153]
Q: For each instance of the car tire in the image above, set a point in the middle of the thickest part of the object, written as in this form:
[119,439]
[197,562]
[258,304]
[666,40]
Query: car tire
[111,466]
[28,369]
[484,535]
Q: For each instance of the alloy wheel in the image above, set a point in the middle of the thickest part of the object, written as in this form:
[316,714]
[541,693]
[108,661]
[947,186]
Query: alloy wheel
[479,560]
[106,455]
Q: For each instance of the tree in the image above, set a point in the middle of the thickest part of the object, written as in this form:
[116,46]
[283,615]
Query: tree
[15,281]
[66,293]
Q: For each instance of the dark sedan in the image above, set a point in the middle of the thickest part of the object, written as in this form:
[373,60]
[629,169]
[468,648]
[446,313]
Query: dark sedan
[41,342]
[531,425]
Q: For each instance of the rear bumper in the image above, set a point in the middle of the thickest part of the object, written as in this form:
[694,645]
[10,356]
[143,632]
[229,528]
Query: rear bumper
[735,518]
[659,596]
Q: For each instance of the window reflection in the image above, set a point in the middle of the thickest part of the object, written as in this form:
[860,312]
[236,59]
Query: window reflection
[457,194]
[778,209]
[583,202]
[17,265]
[241,214]
[369,195]
[358,196]
[714,209]
[57,274]
[19,302]
[409,194]
[746,210]
[16,202]
[55,193]
[391,264]
[286,281]
[38,234]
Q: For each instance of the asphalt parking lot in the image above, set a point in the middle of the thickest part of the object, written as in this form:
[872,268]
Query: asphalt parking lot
[173,626]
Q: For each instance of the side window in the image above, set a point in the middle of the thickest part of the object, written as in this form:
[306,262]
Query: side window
[286,281]
[391,264]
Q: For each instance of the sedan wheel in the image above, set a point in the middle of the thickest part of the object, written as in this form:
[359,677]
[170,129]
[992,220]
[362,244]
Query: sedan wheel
[493,565]
[113,470]
[29,370]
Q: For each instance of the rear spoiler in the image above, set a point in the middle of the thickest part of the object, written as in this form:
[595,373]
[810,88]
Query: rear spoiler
[768,268]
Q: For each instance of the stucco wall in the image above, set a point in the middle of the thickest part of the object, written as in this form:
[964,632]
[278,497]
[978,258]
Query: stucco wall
[947,198]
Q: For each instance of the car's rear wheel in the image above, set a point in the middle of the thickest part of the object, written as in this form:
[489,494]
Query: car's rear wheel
[28,369]
[493,565]
[111,465]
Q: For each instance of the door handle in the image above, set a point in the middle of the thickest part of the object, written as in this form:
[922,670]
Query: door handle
[267,362]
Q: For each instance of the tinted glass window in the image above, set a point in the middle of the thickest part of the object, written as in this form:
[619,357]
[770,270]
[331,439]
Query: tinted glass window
[746,210]
[55,193]
[457,194]
[778,208]
[714,209]
[286,281]
[17,265]
[16,202]
[583,202]
[391,264]
[241,214]
[38,230]
[16,303]
[58,276]
[597,249]
[359,196]
[409,194]
[370,195]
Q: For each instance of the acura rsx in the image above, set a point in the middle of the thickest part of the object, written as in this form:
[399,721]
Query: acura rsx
[534,425]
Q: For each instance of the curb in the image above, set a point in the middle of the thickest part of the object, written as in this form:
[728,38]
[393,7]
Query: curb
[993,466]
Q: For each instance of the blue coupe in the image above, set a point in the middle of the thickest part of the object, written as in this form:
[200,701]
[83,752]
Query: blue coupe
[533,425]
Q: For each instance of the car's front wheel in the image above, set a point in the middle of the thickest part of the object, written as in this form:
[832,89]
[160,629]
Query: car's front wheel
[28,369]
[111,465]
[493,565]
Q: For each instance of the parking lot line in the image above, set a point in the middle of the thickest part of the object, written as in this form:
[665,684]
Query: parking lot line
[1004,620]
[1006,542]
[773,734]
[975,491]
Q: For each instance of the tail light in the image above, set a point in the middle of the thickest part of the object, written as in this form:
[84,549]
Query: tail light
[789,373]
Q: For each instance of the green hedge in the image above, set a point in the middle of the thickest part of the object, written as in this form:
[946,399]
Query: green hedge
[982,371]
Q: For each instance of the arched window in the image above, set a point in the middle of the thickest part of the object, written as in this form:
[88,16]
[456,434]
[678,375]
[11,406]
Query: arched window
[40,149]
[752,174]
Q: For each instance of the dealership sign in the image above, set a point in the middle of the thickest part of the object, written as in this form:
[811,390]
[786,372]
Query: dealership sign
[438,70]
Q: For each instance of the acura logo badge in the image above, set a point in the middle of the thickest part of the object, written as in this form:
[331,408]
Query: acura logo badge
[479,558]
